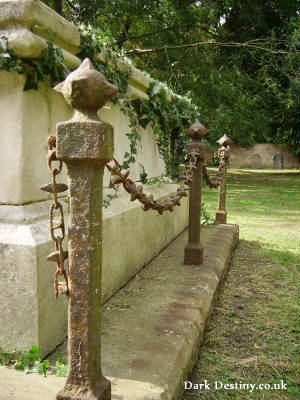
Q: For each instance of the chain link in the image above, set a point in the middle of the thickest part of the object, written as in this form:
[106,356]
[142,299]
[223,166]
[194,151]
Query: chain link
[193,157]
[59,255]
[215,182]
[148,201]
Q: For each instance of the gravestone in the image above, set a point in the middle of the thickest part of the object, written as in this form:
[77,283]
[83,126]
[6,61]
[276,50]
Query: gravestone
[255,161]
[278,161]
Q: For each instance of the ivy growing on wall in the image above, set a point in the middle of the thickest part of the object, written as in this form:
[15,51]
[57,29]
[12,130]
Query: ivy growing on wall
[167,113]
[51,64]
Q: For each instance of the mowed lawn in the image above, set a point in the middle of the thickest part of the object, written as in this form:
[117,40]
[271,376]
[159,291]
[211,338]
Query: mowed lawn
[253,334]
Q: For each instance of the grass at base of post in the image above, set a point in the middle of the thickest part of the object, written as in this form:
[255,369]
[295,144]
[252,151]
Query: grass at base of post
[253,335]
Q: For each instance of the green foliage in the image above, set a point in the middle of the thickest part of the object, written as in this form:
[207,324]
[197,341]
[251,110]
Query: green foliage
[206,218]
[249,92]
[61,367]
[41,367]
[109,198]
[169,116]
[30,360]
[51,64]
[252,94]
[167,113]
[270,260]
[6,358]
[143,175]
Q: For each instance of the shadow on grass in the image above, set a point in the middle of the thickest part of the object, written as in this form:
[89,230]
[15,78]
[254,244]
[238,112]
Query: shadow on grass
[282,257]
[253,334]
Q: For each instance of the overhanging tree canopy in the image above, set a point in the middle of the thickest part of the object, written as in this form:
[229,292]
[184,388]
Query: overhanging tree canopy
[237,59]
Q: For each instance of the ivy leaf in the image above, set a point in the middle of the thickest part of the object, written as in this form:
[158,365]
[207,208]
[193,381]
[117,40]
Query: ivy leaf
[156,88]
[61,368]
[31,82]
[39,69]
[3,44]
[144,122]
[5,55]
[41,367]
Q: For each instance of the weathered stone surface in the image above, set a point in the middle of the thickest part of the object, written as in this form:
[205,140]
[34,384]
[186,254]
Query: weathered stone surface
[26,281]
[255,161]
[193,252]
[28,124]
[27,119]
[80,140]
[221,216]
[36,15]
[150,341]
[239,157]
[278,161]
[26,278]
[85,143]
[86,89]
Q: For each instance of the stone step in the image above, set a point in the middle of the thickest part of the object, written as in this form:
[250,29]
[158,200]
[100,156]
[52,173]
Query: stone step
[152,328]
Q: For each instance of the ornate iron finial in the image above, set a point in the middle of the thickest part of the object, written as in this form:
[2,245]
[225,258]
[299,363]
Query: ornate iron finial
[197,131]
[225,141]
[86,88]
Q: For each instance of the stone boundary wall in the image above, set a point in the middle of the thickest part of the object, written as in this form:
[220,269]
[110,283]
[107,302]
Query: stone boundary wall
[131,237]
[263,155]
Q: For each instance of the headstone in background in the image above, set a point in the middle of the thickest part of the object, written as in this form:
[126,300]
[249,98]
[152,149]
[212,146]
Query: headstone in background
[255,161]
[278,161]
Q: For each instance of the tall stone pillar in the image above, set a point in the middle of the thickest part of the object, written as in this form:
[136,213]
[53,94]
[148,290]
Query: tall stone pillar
[193,252]
[85,144]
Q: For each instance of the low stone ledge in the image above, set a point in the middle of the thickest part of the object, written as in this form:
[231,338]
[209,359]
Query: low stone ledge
[131,238]
[151,330]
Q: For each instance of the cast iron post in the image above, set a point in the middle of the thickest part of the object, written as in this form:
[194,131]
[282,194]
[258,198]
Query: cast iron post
[193,252]
[85,144]
[221,214]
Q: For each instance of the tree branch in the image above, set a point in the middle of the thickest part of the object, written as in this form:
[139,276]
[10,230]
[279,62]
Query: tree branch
[255,44]
[124,34]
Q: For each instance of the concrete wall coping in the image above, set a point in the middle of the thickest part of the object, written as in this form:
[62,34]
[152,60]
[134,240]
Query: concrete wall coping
[137,79]
[28,25]
[36,16]
[27,214]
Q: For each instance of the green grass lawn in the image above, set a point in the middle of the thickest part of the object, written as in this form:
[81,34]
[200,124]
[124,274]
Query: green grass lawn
[253,334]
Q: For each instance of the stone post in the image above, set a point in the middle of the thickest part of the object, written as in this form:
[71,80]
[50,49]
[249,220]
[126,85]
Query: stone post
[221,214]
[85,144]
[193,252]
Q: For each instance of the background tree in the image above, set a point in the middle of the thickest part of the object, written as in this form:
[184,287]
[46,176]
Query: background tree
[237,59]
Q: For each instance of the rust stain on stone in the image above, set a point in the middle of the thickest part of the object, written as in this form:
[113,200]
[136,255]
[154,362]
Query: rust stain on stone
[140,363]
[187,307]
[188,294]
[175,315]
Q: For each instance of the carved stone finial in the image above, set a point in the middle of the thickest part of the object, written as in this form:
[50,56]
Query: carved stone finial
[225,141]
[197,131]
[86,88]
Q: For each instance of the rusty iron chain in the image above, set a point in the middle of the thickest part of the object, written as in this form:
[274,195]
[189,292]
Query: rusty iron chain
[216,181]
[56,223]
[193,157]
[136,191]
